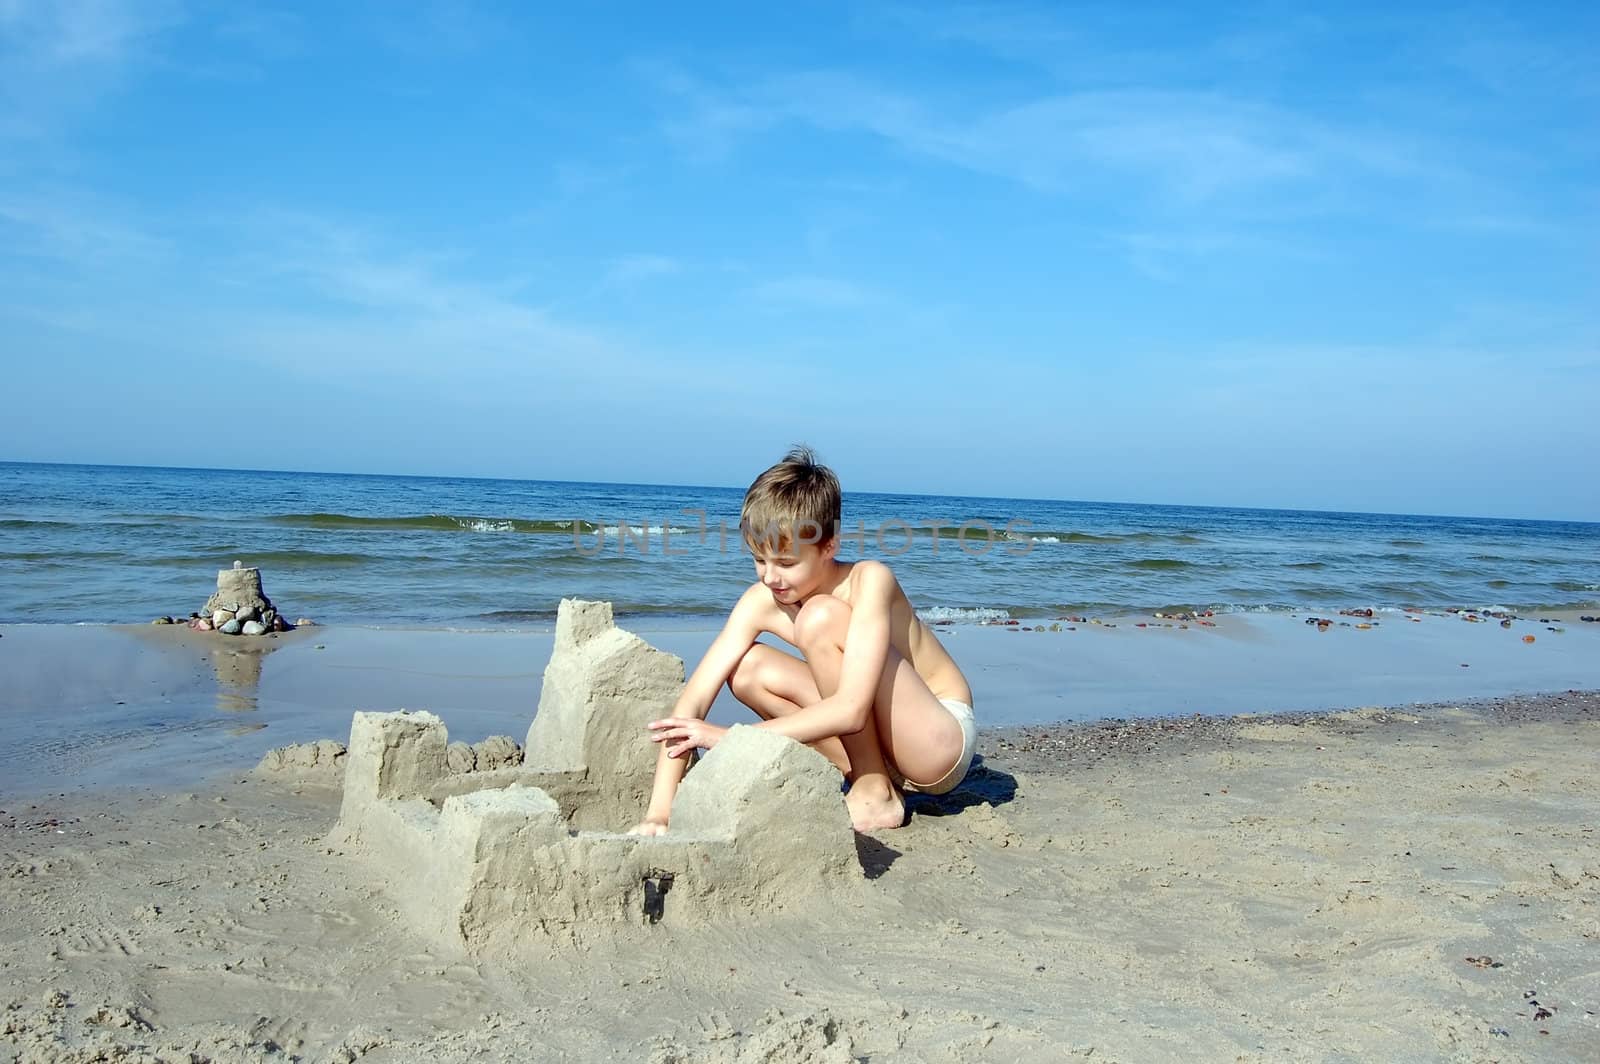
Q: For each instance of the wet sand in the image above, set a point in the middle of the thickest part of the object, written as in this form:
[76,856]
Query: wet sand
[121,706]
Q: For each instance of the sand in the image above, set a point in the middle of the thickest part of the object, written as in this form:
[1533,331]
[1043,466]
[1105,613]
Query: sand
[1402,884]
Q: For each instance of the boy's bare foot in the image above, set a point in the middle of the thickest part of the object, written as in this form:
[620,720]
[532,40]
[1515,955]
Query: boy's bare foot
[875,808]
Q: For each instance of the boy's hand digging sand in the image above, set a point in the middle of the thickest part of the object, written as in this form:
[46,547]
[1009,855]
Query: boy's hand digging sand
[873,689]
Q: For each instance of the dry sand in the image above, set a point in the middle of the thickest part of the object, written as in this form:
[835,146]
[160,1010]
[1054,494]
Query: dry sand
[1418,884]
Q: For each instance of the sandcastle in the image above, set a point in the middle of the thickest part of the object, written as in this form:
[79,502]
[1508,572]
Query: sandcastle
[493,858]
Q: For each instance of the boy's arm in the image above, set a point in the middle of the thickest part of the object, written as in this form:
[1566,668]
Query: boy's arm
[738,633]
[866,649]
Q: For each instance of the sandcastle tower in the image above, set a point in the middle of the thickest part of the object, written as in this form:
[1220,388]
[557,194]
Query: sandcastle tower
[238,590]
[602,686]
[494,858]
[239,606]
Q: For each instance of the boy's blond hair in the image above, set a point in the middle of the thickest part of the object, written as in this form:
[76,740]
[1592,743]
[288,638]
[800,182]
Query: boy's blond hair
[796,500]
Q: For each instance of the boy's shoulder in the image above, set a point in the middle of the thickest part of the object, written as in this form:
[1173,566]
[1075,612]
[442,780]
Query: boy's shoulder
[871,569]
[869,575]
[754,604]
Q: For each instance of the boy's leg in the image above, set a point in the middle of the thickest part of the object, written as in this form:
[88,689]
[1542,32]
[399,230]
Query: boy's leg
[775,684]
[908,726]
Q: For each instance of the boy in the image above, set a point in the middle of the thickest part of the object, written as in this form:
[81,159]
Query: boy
[874,692]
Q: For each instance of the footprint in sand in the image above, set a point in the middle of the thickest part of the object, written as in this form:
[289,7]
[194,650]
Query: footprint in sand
[92,940]
[276,1035]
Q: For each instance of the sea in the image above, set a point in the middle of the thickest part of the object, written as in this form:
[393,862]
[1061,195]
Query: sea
[123,544]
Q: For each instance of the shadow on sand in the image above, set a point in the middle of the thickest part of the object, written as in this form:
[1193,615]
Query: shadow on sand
[983,786]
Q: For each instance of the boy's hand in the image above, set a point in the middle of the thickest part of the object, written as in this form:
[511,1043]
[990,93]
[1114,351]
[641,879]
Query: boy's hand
[683,734]
[649,827]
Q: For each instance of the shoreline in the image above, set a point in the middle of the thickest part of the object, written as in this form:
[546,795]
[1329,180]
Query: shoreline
[962,618]
[92,706]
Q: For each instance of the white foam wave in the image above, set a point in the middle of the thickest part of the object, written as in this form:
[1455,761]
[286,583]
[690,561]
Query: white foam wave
[959,613]
[482,524]
[652,530]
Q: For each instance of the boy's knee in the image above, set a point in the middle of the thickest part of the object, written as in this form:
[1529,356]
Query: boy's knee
[823,619]
[748,675]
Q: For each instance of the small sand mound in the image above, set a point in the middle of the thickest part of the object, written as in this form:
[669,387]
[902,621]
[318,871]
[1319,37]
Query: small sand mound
[497,751]
[321,761]
[815,1039]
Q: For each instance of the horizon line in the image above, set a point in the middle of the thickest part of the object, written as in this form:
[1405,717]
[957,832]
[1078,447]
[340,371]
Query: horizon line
[719,487]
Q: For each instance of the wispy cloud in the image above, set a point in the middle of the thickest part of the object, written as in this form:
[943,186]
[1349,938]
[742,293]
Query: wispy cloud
[1108,47]
[59,57]
[333,300]
[711,123]
[72,229]
[1186,146]
[630,269]
[813,293]
[1499,53]
[439,27]
[268,32]
[383,305]
[1176,252]
[1009,32]
[58,33]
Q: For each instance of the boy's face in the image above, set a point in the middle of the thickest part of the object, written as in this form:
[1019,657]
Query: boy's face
[793,572]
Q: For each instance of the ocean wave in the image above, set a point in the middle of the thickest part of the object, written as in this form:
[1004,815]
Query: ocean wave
[620,610]
[935,614]
[518,616]
[434,523]
[674,609]
[62,556]
[1573,585]
[1161,564]
[1413,593]
[1525,610]
[1075,537]
[23,522]
[974,531]
[654,530]
[1319,592]
[288,559]
[471,523]
[1110,538]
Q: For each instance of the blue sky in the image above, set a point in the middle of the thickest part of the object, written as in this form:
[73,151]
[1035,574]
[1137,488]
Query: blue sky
[1264,257]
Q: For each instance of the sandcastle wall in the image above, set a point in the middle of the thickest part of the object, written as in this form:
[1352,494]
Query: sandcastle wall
[495,858]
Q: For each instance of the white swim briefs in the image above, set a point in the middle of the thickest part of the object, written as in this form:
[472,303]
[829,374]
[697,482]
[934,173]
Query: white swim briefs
[969,746]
